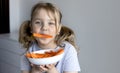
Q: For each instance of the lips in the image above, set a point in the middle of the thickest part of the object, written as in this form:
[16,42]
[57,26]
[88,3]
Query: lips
[42,35]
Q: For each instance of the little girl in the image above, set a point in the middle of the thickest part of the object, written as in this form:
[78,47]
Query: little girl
[46,19]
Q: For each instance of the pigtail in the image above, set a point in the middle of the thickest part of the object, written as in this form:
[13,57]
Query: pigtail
[25,35]
[67,34]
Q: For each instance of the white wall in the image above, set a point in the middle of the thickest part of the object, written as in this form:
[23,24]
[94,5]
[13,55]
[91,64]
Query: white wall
[99,36]
[14,15]
[96,24]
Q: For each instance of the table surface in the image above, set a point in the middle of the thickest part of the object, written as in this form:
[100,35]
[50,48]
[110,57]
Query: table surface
[11,36]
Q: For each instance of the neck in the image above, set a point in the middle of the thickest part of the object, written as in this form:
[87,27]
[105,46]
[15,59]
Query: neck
[47,46]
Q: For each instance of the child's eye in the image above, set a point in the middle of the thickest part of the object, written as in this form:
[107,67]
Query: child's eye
[37,22]
[51,23]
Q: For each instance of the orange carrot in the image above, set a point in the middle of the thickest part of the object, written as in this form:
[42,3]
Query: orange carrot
[41,35]
[59,51]
[45,55]
[28,55]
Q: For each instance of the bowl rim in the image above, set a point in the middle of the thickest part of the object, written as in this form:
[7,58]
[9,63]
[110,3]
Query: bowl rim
[44,50]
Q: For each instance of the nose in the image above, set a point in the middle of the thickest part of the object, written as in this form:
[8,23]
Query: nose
[44,27]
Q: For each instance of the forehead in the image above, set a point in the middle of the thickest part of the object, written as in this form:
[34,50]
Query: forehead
[44,14]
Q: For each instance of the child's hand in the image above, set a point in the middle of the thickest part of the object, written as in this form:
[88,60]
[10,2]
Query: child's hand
[49,68]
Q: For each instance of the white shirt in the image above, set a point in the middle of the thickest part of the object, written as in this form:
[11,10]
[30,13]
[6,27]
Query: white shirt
[69,62]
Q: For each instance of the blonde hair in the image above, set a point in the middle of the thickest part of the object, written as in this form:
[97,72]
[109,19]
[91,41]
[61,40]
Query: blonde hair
[25,37]
[65,34]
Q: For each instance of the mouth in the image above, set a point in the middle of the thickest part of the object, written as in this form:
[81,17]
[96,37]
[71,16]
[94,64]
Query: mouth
[42,35]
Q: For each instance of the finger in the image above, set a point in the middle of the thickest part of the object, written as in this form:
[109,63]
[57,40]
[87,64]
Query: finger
[40,69]
[43,68]
[49,66]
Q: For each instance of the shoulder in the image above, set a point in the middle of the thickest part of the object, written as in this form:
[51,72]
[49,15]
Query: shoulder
[69,48]
[67,45]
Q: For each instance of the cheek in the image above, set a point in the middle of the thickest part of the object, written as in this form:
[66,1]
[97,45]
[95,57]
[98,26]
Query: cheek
[53,31]
[35,29]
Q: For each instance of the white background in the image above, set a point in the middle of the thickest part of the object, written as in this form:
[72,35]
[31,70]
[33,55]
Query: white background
[96,24]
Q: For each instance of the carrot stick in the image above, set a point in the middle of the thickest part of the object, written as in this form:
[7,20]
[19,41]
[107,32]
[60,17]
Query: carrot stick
[45,55]
[28,55]
[41,35]
[59,51]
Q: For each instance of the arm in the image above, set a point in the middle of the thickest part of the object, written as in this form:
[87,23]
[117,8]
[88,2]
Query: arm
[24,65]
[25,71]
[34,70]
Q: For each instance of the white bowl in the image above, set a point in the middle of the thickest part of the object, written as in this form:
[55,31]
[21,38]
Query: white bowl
[43,61]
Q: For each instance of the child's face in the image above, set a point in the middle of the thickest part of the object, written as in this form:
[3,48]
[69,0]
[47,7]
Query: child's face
[44,24]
